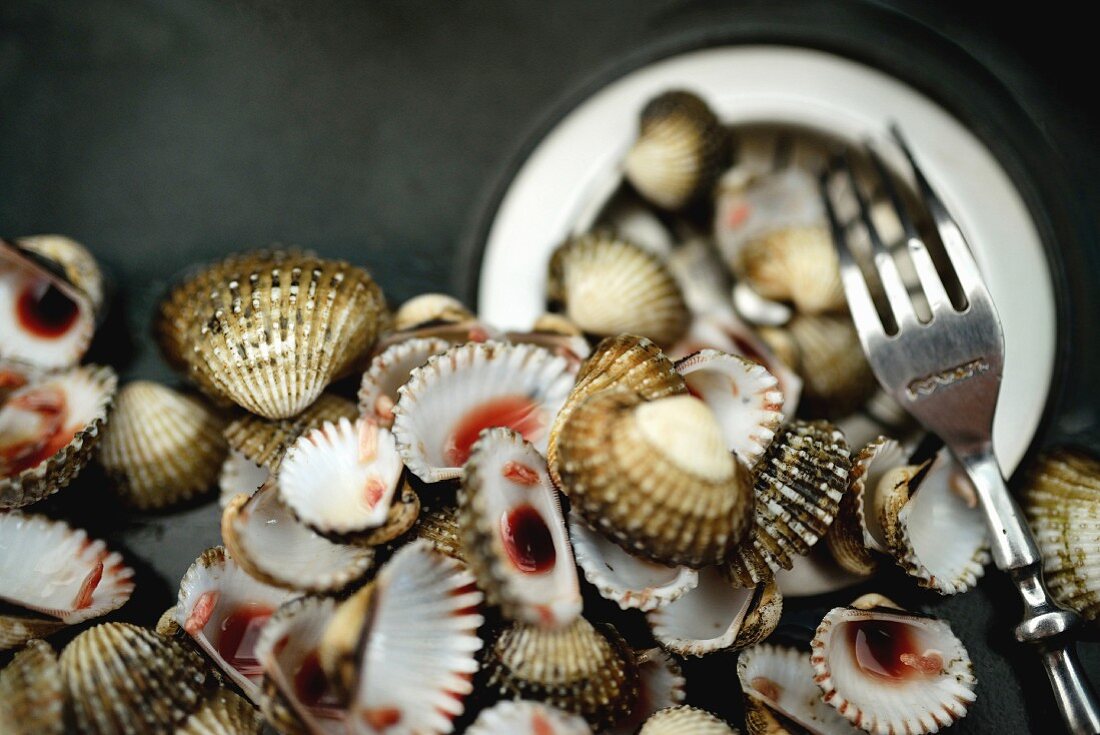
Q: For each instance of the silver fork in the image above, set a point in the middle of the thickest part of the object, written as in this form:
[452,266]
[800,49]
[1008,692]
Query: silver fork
[947,373]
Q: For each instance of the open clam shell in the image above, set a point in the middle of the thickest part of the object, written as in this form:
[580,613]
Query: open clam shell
[608,286]
[513,533]
[629,581]
[449,400]
[161,447]
[341,478]
[224,610]
[48,319]
[402,516]
[795,264]
[743,395]
[717,616]
[48,431]
[223,713]
[55,571]
[661,684]
[414,636]
[889,671]
[389,370]
[32,692]
[586,670]
[527,718]
[684,720]
[268,542]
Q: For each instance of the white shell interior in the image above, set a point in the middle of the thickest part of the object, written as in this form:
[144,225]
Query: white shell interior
[704,619]
[17,342]
[390,370]
[814,574]
[888,456]
[527,718]
[240,475]
[662,685]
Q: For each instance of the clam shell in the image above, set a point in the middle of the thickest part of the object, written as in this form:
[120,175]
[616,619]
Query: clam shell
[341,478]
[62,417]
[816,573]
[124,679]
[272,338]
[703,277]
[32,693]
[629,217]
[680,151]
[513,533]
[17,627]
[629,581]
[717,616]
[268,542]
[798,486]
[581,669]
[430,308]
[162,447]
[48,321]
[743,395]
[795,264]
[889,671]
[224,609]
[609,286]
[69,259]
[14,374]
[527,718]
[1062,498]
[573,347]
[450,399]
[684,720]
[757,310]
[223,713]
[655,477]
[389,370]
[661,684]
[402,516]
[438,526]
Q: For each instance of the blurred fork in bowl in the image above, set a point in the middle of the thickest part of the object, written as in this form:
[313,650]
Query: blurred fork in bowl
[937,347]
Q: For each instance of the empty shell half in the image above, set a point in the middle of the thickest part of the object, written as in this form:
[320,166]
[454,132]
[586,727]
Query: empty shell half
[661,684]
[389,370]
[684,720]
[32,692]
[527,718]
[223,713]
[795,264]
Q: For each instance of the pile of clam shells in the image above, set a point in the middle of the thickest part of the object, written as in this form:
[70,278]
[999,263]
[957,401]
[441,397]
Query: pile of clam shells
[424,557]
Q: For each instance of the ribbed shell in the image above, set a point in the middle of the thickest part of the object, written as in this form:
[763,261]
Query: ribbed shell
[162,447]
[389,370]
[264,442]
[32,693]
[223,713]
[527,718]
[661,685]
[581,669]
[685,720]
[848,538]
[127,680]
[438,525]
[72,260]
[17,629]
[796,264]
[430,307]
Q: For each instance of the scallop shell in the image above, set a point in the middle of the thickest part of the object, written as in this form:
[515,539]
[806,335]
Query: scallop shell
[609,286]
[798,486]
[389,370]
[428,308]
[450,399]
[223,713]
[717,616]
[125,679]
[581,669]
[48,321]
[684,720]
[32,694]
[162,447]
[58,573]
[743,395]
[795,264]
[48,431]
[527,718]
[629,581]
[778,686]
[681,150]
[889,671]
[1062,498]
[221,607]
[273,338]
[269,543]
[656,477]
[513,533]
[661,684]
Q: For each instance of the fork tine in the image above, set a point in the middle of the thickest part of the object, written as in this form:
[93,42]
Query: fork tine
[896,293]
[860,303]
[958,252]
[918,251]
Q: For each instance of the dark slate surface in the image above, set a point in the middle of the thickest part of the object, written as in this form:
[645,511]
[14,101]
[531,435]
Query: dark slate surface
[167,132]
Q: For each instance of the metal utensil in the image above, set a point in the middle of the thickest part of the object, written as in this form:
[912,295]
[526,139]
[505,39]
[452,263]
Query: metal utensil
[946,371]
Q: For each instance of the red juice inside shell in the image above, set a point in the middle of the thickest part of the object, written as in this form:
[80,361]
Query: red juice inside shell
[240,630]
[45,311]
[527,540]
[25,452]
[519,413]
[312,686]
[881,647]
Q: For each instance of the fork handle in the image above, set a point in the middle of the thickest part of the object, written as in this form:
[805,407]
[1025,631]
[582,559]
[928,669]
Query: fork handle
[1045,623]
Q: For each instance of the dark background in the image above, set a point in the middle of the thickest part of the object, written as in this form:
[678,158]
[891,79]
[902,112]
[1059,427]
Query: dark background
[166,132]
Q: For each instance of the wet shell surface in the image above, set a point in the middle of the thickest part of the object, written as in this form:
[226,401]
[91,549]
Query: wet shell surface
[888,671]
[69,259]
[513,532]
[717,616]
[608,286]
[627,580]
[430,308]
[656,477]
[162,447]
[48,431]
[224,610]
[32,694]
[438,525]
[341,478]
[661,684]
[448,401]
[680,151]
[684,720]
[124,679]
[223,713]
[271,339]
[268,542]
[795,264]
[389,370]
[798,486]
[581,669]
[743,395]
[527,718]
